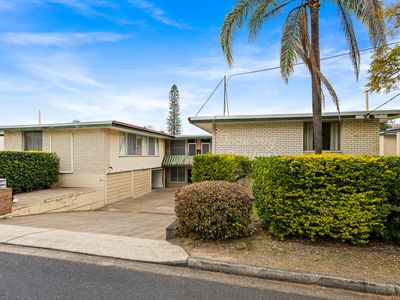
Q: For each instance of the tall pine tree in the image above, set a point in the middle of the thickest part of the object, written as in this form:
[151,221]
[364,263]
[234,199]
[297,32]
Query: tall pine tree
[174,124]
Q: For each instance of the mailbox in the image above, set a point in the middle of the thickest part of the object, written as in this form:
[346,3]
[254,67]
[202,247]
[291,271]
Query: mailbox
[3,183]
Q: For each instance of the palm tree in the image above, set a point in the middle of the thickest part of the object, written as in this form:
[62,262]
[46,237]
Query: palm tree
[296,41]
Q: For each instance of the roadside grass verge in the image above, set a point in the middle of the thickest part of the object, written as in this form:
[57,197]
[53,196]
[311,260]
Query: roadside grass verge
[375,262]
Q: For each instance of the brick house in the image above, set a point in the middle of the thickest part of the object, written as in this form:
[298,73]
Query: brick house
[292,134]
[179,154]
[390,141]
[116,159]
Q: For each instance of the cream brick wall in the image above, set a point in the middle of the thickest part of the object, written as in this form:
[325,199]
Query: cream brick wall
[388,144]
[286,138]
[13,140]
[259,138]
[359,137]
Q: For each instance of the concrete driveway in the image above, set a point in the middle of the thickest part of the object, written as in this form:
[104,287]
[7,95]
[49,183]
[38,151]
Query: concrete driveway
[145,217]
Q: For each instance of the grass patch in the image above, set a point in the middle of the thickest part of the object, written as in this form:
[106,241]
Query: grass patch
[375,262]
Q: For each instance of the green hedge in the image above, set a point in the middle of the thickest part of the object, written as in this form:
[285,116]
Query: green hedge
[27,171]
[392,187]
[209,167]
[343,197]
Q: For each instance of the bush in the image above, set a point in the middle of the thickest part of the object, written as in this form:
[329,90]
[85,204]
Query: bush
[341,197]
[27,171]
[392,186]
[209,167]
[213,210]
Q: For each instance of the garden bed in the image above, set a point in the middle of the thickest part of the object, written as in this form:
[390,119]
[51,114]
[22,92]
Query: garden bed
[375,262]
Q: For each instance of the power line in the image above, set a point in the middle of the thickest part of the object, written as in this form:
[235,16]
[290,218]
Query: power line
[216,88]
[302,63]
[371,111]
[278,67]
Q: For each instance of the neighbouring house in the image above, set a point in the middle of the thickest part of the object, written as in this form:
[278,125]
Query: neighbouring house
[390,141]
[116,159]
[179,154]
[292,134]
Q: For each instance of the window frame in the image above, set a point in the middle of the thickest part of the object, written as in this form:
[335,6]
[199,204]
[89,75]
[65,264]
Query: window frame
[307,127]
[140,145]
[171,147]
[209,148]
[188,149]
[177,173]
[24,140]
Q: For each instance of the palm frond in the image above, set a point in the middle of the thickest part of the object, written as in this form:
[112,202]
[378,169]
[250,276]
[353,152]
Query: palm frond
[350,36]
[265,10]
[232,22]
[290,41]
[369,12]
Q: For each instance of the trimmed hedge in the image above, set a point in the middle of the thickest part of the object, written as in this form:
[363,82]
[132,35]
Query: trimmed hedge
[343,197]
[209,167]
[392,187]
[213,210]
[29,170]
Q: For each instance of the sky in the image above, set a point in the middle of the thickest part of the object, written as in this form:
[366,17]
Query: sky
[92,60]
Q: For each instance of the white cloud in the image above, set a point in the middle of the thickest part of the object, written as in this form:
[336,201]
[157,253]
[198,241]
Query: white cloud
[61,39]
[158,14]
[61,70]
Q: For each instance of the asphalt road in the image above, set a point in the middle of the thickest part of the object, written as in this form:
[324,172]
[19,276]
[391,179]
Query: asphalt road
[31,277]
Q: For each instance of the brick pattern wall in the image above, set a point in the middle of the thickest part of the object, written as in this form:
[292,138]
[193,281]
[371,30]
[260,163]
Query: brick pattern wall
[360,137]
[286,138]
[388,144]
[259,138]
[5,201]
[90,154]
[13,140]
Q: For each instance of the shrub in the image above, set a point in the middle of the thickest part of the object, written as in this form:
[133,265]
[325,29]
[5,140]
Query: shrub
[341,197]
[213,210]
[392,186]
[27,171]
[224,167]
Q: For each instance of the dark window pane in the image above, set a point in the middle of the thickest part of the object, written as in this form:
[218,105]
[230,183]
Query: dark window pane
[177,147]
[177,174]
[33,141]
[192,149]
[205,148]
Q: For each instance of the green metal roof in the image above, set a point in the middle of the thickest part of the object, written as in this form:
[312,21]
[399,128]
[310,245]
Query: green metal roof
[177,161]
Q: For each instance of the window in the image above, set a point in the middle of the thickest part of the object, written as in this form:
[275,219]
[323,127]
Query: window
[205,148]
[122,143]
[177,147]
[192,149]
[132,144]
[153,146]
[330,136]
[177,175]
[33,141]
[139,145]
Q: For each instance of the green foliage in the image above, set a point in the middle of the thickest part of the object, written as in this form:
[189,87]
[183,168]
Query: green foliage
[392,187]
[27,171]
[213,210]
[343,197]
[174,123]
[220,167]
[384,72]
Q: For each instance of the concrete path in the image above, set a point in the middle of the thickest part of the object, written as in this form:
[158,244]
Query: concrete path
[122,247]
[145,217]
